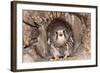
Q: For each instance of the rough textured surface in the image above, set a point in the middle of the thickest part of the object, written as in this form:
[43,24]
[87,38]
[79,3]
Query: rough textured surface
[35,34]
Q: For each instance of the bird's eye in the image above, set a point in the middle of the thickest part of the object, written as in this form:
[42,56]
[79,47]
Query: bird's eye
[63,31]
[56,32]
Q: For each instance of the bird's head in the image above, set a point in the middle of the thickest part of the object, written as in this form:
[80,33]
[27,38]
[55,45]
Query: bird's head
[60,32]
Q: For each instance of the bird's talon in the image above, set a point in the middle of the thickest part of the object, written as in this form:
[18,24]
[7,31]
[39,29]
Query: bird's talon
[51,59]
[65,57]
[56,58]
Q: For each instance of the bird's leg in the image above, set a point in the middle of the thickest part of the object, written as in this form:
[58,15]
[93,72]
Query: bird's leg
[55,52]
[66,53]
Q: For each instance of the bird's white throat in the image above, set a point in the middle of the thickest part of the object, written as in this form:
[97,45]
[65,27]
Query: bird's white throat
[61,40]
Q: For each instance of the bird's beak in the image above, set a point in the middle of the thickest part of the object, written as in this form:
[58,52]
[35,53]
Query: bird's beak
[61,34]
